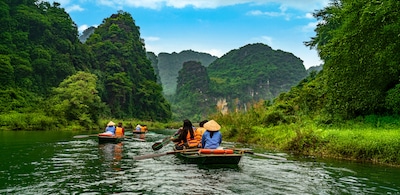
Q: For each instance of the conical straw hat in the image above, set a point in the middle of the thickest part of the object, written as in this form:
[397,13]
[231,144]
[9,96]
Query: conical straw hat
[212,126]
[110,123]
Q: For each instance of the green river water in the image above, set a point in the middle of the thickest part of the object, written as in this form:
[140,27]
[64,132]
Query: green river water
[53,162]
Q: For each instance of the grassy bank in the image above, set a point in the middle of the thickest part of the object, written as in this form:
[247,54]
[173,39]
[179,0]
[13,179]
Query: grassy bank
[41,121]
[376,142]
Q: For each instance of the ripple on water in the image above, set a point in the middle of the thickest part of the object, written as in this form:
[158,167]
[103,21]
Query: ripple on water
[85,167]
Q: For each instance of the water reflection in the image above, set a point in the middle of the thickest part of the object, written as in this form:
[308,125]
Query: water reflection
[139,136]
[111,153]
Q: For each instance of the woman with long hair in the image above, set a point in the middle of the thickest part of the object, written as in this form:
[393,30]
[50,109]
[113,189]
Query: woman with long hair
[186,134]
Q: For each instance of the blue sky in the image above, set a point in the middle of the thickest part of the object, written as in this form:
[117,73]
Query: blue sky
[210,26]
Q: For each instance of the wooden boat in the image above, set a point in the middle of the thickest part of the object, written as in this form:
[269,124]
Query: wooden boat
[109,138]
[211,156]
[142,130]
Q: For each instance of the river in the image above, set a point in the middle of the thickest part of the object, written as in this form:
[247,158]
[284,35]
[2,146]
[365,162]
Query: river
[53,162]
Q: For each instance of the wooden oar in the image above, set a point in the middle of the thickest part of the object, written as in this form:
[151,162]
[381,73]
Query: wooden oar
[134,138]
[164,142]
[162,154]
[261,155]
[85,136]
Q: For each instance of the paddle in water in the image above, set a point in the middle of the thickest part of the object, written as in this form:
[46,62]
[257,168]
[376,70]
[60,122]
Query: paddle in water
[260,155]
[164,142]
[85,136]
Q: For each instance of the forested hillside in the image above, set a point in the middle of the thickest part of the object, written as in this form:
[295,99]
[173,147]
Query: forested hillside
[170,64]
[38,47]
[154,63]
[254,72]
[192,98]
[44,66]
[236,80]
[128,81]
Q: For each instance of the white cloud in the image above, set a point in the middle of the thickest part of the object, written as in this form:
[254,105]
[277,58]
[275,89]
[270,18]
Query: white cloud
[262,39]
[151,38]
[82,28]
[260,13]
[309,16]
[272,14]
[309,27]
[214,52]
[111,3]
[73,8]
[306,5]
[267,39]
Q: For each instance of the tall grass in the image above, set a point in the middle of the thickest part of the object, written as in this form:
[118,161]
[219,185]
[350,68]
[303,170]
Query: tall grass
[372,138]
[365,144]
[27,121]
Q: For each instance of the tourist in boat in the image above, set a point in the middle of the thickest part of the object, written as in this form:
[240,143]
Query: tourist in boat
[212,137]
[110,129]
[143,128]
[198,134]
[138,128]
[185,135]
[119,130]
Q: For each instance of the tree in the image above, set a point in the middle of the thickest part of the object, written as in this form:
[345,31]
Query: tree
[358,40]
[6,72]
[76,99]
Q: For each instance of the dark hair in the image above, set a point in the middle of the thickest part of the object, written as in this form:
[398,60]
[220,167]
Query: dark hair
[201,124]
[187,128]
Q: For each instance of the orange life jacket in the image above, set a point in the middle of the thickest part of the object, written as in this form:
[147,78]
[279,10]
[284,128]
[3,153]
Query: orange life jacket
[119,132]
[143,129]
[193,142]
[199,133]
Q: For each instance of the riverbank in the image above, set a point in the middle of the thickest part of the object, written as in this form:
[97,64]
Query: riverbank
[357,141]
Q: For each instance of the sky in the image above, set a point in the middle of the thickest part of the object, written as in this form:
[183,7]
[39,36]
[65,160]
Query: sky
[210,26]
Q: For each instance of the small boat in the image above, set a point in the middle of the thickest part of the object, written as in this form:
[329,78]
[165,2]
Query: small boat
[109,138]
[211,156]
[140,129]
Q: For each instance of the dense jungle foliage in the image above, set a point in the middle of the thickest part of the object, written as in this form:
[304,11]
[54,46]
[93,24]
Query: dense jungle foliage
[348,110]
[50,79]
[358,41]
[129,84]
